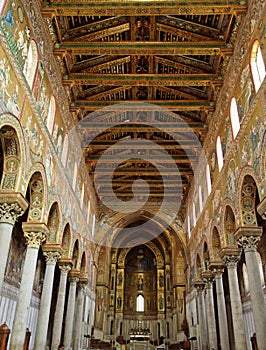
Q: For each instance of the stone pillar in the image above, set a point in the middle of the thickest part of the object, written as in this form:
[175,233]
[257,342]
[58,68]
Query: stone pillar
[79,313]
[12,205]
[64,267]
[207,277]
[231,257]
[217,268]
[35,233]
[52,254]
[73,278]
[199,285]
[248,238]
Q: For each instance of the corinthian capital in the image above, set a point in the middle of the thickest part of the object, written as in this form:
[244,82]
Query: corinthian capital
[34,239]
[51,257]
[12,205]
[35,233]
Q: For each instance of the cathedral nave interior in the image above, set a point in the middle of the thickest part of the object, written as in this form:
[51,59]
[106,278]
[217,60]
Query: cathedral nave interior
[132,175]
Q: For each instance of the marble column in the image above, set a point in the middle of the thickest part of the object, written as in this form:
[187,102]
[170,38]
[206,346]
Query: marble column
[217,268]
[12,205]
[207,277]
[231,257]
[248,238]
[68,335]
[51,258]
[199,285]
[59,311]
[79,314]
[35,234]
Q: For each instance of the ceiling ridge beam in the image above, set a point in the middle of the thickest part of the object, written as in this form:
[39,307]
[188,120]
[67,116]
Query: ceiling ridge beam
[139,7]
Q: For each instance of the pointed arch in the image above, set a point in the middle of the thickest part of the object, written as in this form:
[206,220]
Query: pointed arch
[83,265]
[53,223]
[206,256]
[257,65]
[248,201]
[216,244]
[229,226]
[10,158]
[66,240]
[35,195]
[75,255]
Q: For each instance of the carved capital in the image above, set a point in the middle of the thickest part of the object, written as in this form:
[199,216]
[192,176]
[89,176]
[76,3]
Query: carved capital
[199,285]
[217,267]
[51,257]
[35,233]
[34,239]
[249,242]
[65,269]
[207,278]
[73,279]
[231,256]
[12,205]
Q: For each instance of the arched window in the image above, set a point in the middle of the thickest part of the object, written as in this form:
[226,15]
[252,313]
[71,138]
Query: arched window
[93,225]
[89,212]
[140,303]
[188,226]
[234,117]
[74,180]
[31,63]
[200,199]
[208,178]
[82,195]
[194,214]
[257,65]
[51,115]
[219,152]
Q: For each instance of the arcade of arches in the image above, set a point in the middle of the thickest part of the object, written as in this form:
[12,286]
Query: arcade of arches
[183,266]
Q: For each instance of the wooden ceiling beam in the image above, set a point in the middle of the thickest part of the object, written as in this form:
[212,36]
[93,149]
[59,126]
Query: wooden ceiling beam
[142,79]
[213,48]
[178,105]
[139,7]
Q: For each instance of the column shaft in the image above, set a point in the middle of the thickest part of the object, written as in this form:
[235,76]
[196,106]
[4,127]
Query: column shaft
[70,313]
[79,314]
[256,296]
[236,307]
[25,292]
[202,321]
[44,312]
[223,324]
[5,238]
[211,317]
[59,311]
